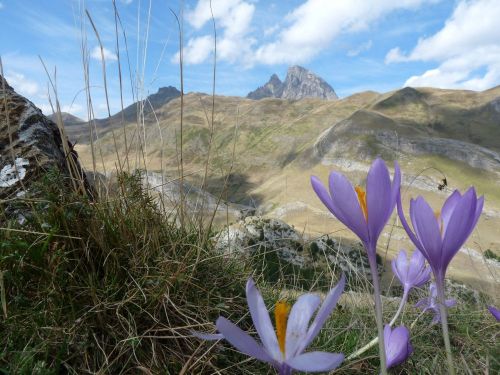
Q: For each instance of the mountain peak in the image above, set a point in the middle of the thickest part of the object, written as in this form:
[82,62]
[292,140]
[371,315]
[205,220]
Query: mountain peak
[300,83]
[272,89]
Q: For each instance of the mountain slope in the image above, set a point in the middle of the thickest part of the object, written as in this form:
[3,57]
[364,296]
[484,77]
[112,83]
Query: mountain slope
[278,144]
[78,130]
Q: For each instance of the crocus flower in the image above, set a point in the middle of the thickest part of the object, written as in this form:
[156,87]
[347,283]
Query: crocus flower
[397,345]
[365,213]
[284,348]
[413,273]
[431,303]
[440,235]
[495,312]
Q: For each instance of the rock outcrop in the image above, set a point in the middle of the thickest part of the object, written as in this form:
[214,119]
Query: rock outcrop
[31,145]
[300,83]
[256,235]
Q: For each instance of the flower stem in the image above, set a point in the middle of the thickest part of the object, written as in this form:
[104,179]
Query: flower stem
[402,304]
[378,308]
[444,325]
[285,370]
[374,342]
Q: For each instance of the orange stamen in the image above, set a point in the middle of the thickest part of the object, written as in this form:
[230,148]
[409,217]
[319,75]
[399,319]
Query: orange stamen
[281,312]
[362,200]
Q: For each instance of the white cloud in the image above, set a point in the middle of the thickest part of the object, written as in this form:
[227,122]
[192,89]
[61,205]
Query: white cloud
[108,55]
[197,50]
[359,49]
[316,23]
[467,49]
[234,17]
[21,84]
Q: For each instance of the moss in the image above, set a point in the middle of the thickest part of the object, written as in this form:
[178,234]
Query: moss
[488,254]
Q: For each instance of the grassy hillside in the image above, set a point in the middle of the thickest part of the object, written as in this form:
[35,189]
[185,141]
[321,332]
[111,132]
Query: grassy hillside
[263,152]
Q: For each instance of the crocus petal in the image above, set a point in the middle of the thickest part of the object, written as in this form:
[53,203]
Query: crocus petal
[378,198]
[316,361]
[423,304]
[417,260]
[323,313]
[207,336]
[397,345]
[298,322]
[448,207]
[427,230]
[242,341]
[495,312]
[324,196]
[400,267]
[406,227]
[261,320]
[459,226]
[418,272]
[345,200]
[479,210]
[477,214]
[450,302]
[396,184]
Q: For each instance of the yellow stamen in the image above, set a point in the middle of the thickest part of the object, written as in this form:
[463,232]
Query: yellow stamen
[281,317]
[362,200]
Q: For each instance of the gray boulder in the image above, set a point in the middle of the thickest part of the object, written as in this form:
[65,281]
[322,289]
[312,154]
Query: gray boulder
[31,145]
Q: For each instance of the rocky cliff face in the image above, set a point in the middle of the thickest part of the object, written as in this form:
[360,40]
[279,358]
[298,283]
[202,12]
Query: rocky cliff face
[30,145]
[300,83]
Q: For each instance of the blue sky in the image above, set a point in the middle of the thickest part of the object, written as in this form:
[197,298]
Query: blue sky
[355,45]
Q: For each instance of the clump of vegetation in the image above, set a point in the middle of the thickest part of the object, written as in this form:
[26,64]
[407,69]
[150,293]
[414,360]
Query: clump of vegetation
[488,254]
[108,285]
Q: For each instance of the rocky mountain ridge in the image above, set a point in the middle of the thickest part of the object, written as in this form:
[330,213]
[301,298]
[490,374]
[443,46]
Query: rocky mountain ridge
[299,83]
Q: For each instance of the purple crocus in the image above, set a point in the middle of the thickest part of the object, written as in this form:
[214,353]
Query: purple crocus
[495,312]
[284,348]
[397,345]
[431,303]
[366,214]
[439,235]
[412,273]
